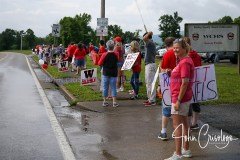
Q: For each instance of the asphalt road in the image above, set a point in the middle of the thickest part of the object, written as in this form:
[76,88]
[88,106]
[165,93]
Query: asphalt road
[25,130]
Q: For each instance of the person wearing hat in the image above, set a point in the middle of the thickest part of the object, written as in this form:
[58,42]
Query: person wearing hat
[109,61]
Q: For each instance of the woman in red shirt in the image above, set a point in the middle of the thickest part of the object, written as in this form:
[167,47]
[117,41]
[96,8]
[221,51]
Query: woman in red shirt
[79,54]
[136,69]
[181,82]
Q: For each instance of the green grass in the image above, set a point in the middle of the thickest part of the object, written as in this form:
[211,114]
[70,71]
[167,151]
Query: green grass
[83,93]
[228,85]
[26,52]
[53,70]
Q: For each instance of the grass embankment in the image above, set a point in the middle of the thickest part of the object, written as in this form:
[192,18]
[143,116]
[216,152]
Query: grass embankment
[227,83]
[26,52]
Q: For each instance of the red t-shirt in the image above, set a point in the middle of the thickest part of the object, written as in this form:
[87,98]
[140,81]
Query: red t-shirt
[79,54]
[169,60]
[184,69]
[137,65]
[90,48]
[196,58]
[101,50]
[71,49]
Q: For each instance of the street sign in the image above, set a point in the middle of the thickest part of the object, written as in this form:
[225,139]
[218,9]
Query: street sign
[56,30]
[102,31]
[102,22]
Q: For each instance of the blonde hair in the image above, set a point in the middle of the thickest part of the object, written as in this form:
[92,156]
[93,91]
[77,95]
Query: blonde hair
[182,42]
[134,46]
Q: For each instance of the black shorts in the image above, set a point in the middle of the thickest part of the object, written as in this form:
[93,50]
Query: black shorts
[69,59]
[194,107]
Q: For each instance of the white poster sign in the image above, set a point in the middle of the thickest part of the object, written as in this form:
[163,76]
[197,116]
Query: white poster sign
[204,85]
[129,61]
[213,37]
[154,81]
[89,76]
[63,66]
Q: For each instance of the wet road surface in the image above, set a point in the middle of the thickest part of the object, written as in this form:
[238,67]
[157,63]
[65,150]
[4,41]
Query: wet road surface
[25,130]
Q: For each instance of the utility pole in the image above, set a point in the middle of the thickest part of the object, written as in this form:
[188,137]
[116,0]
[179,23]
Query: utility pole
[102,13]
[22,34]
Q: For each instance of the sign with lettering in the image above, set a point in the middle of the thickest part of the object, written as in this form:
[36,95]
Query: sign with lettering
[89,76]
[204,85]
[102,31]
[129,61]
[213,37]
[63,66]
[56,30]
[103,22]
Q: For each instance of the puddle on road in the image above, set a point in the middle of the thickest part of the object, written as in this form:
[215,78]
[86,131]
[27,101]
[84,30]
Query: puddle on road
[108,155]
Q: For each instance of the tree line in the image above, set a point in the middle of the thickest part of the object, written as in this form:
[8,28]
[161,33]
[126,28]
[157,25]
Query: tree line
[77,29]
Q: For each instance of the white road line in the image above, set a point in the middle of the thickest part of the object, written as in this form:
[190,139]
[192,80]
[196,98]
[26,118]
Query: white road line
[62,140]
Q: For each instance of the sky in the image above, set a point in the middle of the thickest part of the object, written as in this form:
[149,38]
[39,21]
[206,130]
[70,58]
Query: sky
[39,15]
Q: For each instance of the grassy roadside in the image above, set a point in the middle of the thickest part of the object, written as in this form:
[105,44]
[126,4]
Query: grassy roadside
[53,70]
[26,52]
[227,83]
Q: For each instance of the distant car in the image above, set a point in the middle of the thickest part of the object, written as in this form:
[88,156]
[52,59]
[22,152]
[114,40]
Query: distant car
[161,52]
[216,56]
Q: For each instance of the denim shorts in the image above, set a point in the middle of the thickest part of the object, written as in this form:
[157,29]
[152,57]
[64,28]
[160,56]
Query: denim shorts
[166,111]
[79,62]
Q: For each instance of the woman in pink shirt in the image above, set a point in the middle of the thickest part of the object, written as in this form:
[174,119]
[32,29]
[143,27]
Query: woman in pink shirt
[181,82]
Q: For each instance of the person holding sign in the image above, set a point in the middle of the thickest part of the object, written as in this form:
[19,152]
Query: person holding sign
[150,68]
[79,54]
[194,107]
[136,69]
[109,61]
[167,65]
[181,82]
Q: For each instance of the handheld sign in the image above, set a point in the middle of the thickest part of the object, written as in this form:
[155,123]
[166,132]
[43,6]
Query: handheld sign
[63,66]
[154,81]
[89,76]
[204,86]
[129,61]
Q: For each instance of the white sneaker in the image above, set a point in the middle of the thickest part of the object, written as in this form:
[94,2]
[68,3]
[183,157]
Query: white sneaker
[105,104]
[174,157]
[121,89]
[186,153]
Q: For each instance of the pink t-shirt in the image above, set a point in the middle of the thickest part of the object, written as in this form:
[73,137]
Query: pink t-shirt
[184,69]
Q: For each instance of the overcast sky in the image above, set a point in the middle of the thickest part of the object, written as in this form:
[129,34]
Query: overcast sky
[39,15]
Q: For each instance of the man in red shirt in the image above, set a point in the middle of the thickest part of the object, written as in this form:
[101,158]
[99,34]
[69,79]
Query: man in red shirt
[167,65]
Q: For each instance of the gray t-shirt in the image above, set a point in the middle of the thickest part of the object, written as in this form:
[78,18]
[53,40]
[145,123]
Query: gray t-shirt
[150,52]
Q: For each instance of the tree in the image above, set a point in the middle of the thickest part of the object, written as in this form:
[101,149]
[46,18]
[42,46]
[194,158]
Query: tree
[237,20]
[169,26]
[7,39]
[29,38]
[114,30]
[76,29]
[224,20]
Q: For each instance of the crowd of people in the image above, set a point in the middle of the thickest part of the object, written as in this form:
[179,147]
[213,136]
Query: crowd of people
[178,62]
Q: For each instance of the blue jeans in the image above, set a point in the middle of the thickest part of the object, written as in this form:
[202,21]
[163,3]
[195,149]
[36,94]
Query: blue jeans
[109,81]
[135,82]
